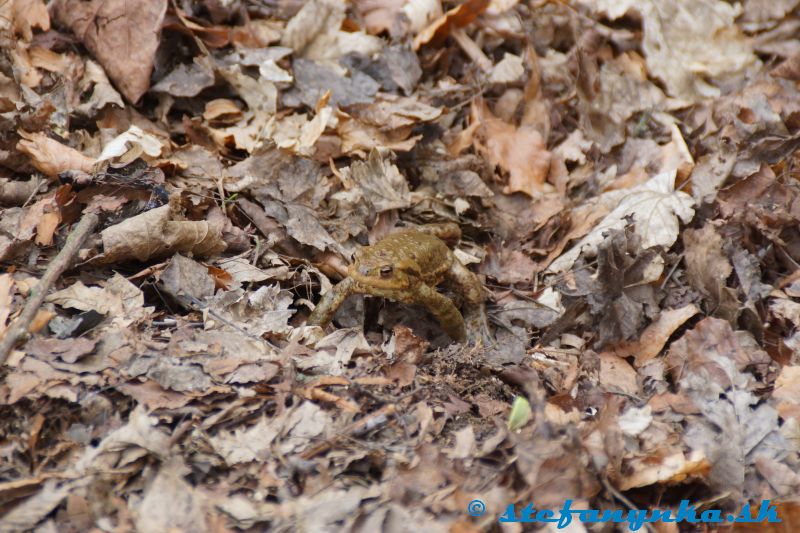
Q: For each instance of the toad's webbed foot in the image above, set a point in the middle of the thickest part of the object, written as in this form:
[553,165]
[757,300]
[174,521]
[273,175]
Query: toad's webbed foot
[478,333]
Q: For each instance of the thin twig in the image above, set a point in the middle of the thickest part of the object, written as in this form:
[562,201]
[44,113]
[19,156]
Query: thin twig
[193,303]
[672,271]
[472,50]
[19,329]
[623,499]
[370,421]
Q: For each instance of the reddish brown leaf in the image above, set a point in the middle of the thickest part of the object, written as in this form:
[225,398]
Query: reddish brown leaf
[122,35]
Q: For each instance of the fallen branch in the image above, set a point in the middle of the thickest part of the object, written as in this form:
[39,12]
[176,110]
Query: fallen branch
[19,329]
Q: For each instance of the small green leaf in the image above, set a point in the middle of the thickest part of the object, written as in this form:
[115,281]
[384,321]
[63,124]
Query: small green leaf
[520,413]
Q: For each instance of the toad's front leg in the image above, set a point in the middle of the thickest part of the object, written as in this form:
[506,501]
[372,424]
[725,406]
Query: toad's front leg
[330,302]
[444,310]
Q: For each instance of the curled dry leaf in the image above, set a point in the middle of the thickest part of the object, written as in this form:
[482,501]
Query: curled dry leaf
[378,182]
[390,112]
[260,95]
[50,156]
[261,98]
[458,17]
[656,335]
[95,82]
[357,138]
[157,233]
[132,139]
[29,76]
[385,123]
[669,470]
[48,60]
[222,110]
[298,133]
[265,310]
[118,299]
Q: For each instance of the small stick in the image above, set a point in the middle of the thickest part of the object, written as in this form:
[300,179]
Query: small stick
[370,421]
[472,50]
[19,329]
[625,501]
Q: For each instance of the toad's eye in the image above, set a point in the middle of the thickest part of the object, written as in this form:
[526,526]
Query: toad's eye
[386,271]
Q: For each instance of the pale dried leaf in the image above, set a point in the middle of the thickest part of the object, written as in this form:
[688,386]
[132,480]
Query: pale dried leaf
[657,210]
[171,503]
[133,137]
[508,70]
[243,445]
[500,142]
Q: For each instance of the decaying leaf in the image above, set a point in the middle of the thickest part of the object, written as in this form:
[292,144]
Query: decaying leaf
[265,310]
[133,140]
[102,92]
[377,182]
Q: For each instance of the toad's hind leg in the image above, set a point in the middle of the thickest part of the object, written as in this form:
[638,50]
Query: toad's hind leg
[444,310]
[330,302]
[463,282]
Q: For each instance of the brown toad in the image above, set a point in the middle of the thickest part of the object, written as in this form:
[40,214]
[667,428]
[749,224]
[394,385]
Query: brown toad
[406,266]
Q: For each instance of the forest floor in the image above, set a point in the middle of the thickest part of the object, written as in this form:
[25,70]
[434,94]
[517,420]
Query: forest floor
[623,174]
